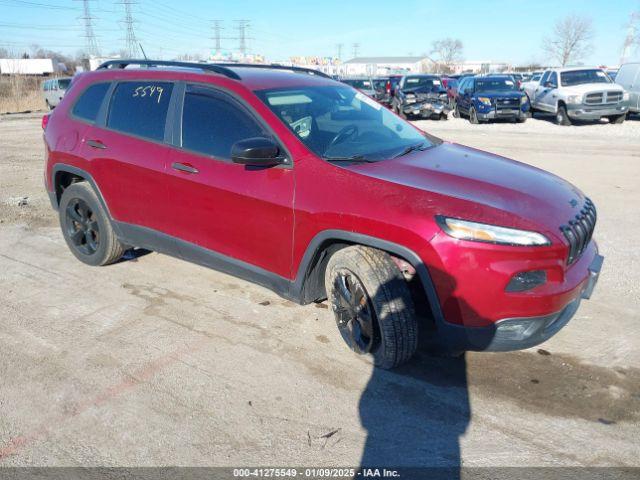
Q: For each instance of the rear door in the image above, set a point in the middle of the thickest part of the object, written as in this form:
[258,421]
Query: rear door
[128,153]
[241,212]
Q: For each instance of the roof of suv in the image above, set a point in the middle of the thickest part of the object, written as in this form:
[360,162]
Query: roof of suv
[254,77]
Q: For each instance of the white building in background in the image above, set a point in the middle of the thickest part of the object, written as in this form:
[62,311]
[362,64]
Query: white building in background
[481,67]
[387,65]
[30,66]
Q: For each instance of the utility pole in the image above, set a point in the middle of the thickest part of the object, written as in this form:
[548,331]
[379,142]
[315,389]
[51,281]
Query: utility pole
[339,49]
[130,41]
[356,48]
[91,44]
[216,36]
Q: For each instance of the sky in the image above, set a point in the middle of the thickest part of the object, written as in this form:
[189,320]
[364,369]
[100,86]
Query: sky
[491,30]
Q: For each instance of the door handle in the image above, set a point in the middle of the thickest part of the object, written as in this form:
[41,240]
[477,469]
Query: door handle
[184,167]
[96,144]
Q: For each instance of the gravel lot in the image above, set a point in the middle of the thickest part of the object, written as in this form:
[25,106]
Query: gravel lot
[159,362]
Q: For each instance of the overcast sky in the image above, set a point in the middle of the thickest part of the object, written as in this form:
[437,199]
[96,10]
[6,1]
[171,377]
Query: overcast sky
[496,30]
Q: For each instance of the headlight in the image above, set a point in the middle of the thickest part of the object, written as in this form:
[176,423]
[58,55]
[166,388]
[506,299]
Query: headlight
[480,232]
[574,99]
[523,100]
[625,97]
[485,100]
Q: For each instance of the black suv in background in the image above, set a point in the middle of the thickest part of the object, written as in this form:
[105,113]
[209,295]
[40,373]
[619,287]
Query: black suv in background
[421,96]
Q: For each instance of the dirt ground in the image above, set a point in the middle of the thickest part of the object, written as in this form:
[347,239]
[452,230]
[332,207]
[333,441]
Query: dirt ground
[155,361]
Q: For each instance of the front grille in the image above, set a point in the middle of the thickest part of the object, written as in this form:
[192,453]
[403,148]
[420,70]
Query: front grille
[594,98]
[579,231]
[614,97]
[507,103]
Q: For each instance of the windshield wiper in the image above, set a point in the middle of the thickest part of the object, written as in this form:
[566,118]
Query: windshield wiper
[353,159]
[409,149]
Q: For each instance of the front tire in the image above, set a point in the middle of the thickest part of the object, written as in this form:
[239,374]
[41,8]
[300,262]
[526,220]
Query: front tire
[562,118]
[372,305]
[86,226]
[617,119]
[473,116]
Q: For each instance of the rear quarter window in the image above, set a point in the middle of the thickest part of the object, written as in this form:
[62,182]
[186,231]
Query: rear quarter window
[88,104]
[140,108]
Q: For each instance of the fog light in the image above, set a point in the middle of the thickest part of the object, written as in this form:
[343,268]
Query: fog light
[523,281]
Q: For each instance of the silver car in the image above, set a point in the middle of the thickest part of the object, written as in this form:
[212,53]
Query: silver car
[628,77]
[54,89]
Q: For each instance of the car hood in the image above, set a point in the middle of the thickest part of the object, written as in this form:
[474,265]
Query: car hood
[593,87]
[534,197]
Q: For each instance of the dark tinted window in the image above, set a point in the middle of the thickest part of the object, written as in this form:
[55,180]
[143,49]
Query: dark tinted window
[140,108]
[63,83]
[88,104]
[211,123]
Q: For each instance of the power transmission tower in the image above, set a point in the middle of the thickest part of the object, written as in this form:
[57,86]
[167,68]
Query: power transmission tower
[356,49]
[339,49]
[243,25]
[91,43]
[631,41]
[216,36]
[131,41]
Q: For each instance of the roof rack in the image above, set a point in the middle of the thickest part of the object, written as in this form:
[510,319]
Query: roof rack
[275,66]
[209,67]
[220,68]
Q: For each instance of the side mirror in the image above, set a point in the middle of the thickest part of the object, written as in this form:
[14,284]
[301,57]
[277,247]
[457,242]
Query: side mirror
[256,152]
[549,85]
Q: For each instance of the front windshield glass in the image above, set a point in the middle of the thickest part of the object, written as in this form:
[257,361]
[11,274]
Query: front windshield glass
[363,84]
[414,82]
[579,77]
[494,84]
[63,83]
[536,77]
[340,123]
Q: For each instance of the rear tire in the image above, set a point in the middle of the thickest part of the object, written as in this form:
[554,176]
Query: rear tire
[86,226]
[372,305]
[561,117]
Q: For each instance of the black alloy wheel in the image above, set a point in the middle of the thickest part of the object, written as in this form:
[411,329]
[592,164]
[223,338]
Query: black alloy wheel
[82,226]
[354,313]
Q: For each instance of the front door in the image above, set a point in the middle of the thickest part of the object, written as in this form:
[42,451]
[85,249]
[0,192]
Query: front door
[241,212]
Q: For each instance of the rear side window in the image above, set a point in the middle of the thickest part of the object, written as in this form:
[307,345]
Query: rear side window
[140,108]
[88,105]
[211,123]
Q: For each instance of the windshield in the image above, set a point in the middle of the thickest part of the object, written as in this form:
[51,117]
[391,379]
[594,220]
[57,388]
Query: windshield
[63,83]
[340,123]
[414,82]
[363,84]
[494,84]
[536,77]
[579,77]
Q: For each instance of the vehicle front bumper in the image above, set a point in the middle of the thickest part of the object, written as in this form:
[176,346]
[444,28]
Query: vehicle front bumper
[585,112]
[426,109]
[520,332]
[494,114]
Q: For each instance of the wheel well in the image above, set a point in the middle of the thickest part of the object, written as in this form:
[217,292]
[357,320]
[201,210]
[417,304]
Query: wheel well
[62,180]
[561,104]
[314,289]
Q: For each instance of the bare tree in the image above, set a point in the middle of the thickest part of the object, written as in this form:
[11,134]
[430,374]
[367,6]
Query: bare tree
[447,52]
[570,39]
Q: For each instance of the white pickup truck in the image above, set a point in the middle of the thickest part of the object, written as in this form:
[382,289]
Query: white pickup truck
[578,94]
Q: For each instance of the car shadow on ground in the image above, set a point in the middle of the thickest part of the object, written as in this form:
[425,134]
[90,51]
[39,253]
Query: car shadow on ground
[415,415]
[551,118]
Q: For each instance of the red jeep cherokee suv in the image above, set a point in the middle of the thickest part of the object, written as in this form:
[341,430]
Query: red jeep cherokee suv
[286,178]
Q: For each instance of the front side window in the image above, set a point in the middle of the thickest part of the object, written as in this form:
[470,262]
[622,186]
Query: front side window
[88,105]
[64,83]
[545,78]
[212,123]
[495,84]
[579,77]
[339,123]
[140,108]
